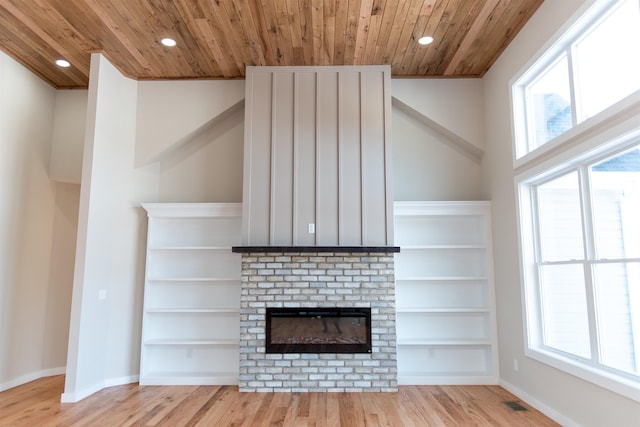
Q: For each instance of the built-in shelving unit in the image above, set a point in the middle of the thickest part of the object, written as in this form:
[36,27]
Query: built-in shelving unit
[445,300]
[191,316]
[446,326]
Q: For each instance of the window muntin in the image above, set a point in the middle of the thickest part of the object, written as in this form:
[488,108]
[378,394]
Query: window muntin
[602,67]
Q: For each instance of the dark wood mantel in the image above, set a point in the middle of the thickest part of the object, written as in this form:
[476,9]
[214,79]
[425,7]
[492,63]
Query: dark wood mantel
[314,249]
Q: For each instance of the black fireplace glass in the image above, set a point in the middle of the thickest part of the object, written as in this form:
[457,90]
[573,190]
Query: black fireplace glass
[318,330]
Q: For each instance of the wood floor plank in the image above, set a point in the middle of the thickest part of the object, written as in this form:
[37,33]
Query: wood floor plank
[421,409]
[38,404]
[175,411]
[215,408]
[261,412]
[491,403]
[317,410]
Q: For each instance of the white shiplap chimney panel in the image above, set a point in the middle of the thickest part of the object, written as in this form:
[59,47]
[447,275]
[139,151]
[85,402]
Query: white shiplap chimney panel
[317,151]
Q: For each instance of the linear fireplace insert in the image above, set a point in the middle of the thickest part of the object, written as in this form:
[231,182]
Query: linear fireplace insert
[318,330]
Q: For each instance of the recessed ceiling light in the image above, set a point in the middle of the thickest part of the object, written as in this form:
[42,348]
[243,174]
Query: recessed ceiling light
[168,42]
[63,63]
[425,40]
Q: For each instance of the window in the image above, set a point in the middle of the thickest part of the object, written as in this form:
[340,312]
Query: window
[583,295]
[562,291]
[584,74]
[577,172]
[549,106]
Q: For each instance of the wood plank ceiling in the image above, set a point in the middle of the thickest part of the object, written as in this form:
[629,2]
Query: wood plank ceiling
[219,38]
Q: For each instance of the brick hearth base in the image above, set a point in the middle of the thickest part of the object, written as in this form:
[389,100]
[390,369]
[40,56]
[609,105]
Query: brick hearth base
[308,279]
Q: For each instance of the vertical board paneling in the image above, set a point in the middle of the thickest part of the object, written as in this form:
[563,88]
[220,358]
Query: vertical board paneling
[317,151]
[373,159]
[350,159]
[305,158]
[257,197]
[282,160]
[327,221]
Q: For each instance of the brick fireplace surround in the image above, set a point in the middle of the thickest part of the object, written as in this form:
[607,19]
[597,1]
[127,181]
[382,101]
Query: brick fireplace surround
[317,277]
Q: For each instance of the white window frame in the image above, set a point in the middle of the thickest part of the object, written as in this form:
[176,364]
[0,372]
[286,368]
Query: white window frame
[526,182]
[612,130]
[561,44]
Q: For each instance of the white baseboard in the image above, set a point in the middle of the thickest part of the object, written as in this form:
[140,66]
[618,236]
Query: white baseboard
[542,407]
[78,396]
[67,397]
[122,380]
[31,377]
[404,379]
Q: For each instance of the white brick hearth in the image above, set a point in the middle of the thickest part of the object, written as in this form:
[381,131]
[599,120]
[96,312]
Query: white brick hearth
[317,279]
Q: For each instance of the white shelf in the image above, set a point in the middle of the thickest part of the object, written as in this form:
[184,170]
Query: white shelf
[468,378]
[442,310]
[441,343]
[191,315]
[444,289]
[171,374]
[193,310]
[439,247]
[191,342]
[441,279]
[194,378]
[191,248]
[194,279]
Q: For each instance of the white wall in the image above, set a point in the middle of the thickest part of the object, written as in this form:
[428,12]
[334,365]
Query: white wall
[208,170]
[27,206]
[568,398]
[104,337]
[65,169]
[194,130]
[201,159]
[67,138]
[170,113]
[63,248]
[426,165]
[455,104]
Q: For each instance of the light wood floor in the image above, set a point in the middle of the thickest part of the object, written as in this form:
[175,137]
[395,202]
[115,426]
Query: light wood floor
[38,404]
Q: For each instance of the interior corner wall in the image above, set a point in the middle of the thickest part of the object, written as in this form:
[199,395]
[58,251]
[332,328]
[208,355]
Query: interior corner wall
[104,336]
[455,104]
[197,166]
[426,166]
[27,204]
[63,246]
[568,399]
[67,138]
[209,169]
[170,111]
[194,130]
